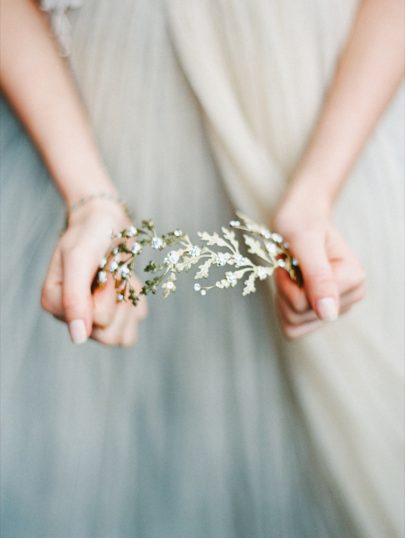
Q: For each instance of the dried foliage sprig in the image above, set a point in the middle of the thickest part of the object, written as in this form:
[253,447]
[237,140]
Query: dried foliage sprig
[216,251]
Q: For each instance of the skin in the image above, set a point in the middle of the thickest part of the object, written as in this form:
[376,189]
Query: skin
[367,75]
[39,86]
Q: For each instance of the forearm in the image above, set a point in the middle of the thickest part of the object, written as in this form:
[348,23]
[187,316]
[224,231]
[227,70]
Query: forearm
[39,86]
[367,75]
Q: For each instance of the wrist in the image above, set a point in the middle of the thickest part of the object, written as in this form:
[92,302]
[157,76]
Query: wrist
[303,206]
[82,180]
[98,202]
[316,182]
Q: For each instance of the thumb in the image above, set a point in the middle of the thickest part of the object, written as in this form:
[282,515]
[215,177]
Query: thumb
[78,274]
[319,280]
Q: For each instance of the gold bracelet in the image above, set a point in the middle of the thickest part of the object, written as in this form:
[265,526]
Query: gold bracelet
[101,196]
[97,196]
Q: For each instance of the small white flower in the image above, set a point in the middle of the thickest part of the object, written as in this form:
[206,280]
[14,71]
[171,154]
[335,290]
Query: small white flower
[173,257]
[234,223]
[178,233]
[197,287]
[102,277]
[195,251]
[131,231]
[262,272]
[169,285]
[240,260]
[113,266]
[276,238]
[281,263]
[222,258]
[265,233]
[157,243]
[231,278]
[120,297]
[103,262]
[136,248]
[115,251]
[123,271]
[271,248]
[203,292]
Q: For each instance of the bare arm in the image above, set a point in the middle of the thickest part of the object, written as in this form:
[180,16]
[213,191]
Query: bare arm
[368,73]
[38,84]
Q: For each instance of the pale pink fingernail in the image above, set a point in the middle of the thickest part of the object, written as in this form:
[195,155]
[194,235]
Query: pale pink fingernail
[77,330]
[327,309]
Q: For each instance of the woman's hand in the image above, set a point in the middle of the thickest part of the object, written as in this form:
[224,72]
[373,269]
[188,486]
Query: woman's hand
[66,292]
[333,277]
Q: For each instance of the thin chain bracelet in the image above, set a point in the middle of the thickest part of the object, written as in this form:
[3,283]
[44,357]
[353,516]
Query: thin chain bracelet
[98,196]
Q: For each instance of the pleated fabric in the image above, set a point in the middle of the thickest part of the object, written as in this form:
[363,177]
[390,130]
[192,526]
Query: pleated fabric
[199,107]
[260,71]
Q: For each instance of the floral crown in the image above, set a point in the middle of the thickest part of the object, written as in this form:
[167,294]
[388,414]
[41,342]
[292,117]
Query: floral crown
[268,248]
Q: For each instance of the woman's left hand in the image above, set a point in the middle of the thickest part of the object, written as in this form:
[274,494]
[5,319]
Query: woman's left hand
[333,276]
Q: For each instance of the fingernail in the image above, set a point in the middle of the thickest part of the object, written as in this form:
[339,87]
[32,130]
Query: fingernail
[327,309]
[77,330]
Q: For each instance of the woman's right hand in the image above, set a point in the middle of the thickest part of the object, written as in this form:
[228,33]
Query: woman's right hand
[66,292]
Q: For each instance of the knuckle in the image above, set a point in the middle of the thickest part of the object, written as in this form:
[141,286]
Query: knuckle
[45,302]
[345,309]
[102,316]
[102,337]
[71,301]
[290,333]
[359,295]
[361,275]
[290,317]
[293,303]
[74,254]
[320,276]
[356,275]
[299,306]
[129,341]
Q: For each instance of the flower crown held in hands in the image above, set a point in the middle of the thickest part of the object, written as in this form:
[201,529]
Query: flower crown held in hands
[216,251]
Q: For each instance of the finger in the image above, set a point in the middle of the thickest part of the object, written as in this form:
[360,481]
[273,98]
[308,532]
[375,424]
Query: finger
[131,331]
[292,332]
[348,273]
[79,267]
[113,334]
[319,281]
[104,303]
[290,315]
[294,295]
[142,308]
[352,297]
[51,293]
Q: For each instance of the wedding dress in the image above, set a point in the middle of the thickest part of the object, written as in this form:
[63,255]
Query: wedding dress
[200,107]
